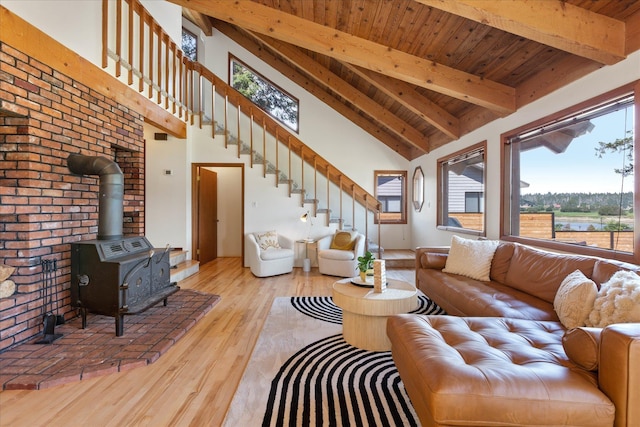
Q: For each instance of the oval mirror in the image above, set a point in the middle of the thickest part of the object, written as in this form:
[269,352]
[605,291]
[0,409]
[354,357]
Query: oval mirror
[418,189]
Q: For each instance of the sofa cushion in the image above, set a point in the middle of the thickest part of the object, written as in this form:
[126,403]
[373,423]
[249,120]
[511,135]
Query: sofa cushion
[276,253]
[336,254]
[344,240]
[461,296]
[582,346]
[267,240]
[540,273]
[501,260]
[493,371]
[618,301]
[470,258]
[574,300]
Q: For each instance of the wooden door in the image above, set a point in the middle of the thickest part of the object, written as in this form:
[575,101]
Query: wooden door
[207,215]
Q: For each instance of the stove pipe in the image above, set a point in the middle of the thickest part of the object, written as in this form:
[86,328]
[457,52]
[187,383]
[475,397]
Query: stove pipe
[110,208]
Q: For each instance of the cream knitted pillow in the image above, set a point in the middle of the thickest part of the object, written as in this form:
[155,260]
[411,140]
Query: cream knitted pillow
[471,258]
[574,299]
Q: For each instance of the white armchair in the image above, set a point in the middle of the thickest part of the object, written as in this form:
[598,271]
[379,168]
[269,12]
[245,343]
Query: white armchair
[269,254]
[334,259]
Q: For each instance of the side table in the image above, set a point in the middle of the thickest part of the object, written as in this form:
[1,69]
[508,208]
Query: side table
[364,312]
[306,261]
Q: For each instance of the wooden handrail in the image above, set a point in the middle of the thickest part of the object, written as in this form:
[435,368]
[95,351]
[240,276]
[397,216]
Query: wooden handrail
[175,81]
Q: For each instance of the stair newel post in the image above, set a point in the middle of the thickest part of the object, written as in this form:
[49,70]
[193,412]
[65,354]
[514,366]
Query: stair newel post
[353,206]
[191,94]
[239,115]
[200,99]
[251,136]
[226,119]
[176,58]
[289,167]
[159,55]
[366,221]
[328,198]
[264,148]
[341,191]
[180,83]
[277,158]
[379,208]
[315,185]
[119,38]
[213,110]
[141,22]
[303,191]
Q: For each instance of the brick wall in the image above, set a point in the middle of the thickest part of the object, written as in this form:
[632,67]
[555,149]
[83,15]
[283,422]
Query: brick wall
[45,116]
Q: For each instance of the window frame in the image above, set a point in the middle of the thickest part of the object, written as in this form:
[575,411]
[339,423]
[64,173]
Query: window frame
[403,202]
[443,195]
[233,58]
[507,178]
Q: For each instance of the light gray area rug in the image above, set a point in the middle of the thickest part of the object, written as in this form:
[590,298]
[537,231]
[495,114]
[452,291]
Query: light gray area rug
[302,373]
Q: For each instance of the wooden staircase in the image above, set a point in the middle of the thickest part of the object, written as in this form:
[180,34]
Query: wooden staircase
[195,94]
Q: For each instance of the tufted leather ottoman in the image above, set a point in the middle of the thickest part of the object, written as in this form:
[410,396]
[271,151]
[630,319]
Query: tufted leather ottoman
[493,372]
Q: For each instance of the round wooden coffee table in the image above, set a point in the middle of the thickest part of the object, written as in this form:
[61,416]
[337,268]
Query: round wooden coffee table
[364,312]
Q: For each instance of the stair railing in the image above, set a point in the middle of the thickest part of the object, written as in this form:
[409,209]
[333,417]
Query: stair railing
[148,53]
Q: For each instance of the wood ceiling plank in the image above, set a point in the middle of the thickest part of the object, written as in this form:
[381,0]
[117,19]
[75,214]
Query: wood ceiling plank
[360,100]
[551,22]
[406,95]
[358,51]
[261,52]
[633,33]
[199,20]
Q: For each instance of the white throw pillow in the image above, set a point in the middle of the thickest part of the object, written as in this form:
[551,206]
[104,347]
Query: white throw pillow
[618,301]
[267,240]
[471,258]
[574,299]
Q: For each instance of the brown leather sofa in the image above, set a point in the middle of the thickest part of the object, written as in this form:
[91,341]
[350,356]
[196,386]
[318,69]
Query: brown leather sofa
[500,360]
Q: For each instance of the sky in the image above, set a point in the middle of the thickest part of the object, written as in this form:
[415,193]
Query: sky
[578,169]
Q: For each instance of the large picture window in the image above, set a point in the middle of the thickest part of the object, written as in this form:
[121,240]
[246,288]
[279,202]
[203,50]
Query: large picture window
[461,180]
[391,192]
[272,99]
[569,179]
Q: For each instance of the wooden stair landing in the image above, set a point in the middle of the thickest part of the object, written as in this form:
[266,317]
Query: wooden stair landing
[399,258]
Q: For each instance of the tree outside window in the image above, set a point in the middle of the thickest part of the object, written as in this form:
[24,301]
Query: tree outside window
[189,45]
[571,183]
[273,100]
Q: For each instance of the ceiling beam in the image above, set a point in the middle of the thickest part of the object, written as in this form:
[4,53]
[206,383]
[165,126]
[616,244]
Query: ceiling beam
[358,51]
[199,20]
[555,23]
[405,94]
[249,42]
[336,84]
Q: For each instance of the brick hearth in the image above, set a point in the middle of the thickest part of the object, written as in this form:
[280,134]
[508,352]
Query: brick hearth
[87,353]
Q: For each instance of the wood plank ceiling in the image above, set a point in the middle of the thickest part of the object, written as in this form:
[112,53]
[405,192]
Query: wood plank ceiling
[417,74]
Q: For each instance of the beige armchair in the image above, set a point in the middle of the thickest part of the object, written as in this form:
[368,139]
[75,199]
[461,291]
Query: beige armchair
[269,254]
[338,253]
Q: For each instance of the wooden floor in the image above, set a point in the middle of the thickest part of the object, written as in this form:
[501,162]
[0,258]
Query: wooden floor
[194,382]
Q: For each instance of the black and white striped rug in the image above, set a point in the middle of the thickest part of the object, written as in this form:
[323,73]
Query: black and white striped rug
[331,383]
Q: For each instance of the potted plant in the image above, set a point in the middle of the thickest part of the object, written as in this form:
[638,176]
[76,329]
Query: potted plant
[365,265]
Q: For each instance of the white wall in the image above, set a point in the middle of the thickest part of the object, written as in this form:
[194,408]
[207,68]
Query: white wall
[424,230]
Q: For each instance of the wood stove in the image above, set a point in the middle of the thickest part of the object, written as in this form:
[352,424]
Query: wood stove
[118,277]
[115,275]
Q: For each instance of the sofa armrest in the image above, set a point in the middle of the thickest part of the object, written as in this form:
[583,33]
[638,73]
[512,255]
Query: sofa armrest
[619,371]
[427,261]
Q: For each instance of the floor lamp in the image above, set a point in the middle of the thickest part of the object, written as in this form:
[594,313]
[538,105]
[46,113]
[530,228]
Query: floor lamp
[306,263]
